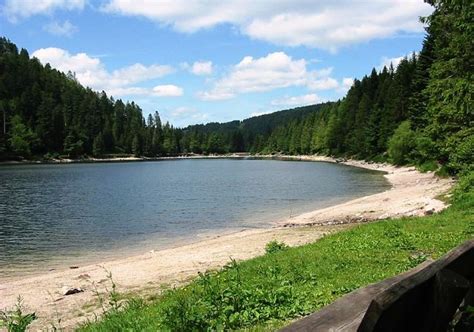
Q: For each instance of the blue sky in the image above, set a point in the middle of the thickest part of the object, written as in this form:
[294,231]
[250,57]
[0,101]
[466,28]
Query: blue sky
[202,61]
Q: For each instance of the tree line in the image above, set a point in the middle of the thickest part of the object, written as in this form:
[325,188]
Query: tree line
[419,112]
[46,112]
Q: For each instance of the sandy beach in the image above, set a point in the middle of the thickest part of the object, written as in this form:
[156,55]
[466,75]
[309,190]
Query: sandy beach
[412,193]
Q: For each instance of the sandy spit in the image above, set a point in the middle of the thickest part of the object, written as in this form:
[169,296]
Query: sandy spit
[412,193]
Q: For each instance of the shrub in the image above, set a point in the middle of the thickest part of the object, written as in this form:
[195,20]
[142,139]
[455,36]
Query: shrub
[401,144]
[465,187]
[275,246]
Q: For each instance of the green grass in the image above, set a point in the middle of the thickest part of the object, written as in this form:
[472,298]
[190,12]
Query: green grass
[269,291]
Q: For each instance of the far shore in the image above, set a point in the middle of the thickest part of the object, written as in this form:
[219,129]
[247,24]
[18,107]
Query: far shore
[131,158]
[236,155]
[412,193]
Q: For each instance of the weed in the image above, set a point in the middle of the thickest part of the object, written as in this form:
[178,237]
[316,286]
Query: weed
[16,320]
[275,246]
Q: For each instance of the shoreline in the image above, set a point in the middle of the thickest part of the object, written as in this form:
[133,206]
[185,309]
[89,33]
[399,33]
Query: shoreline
[411,193]
[66,161]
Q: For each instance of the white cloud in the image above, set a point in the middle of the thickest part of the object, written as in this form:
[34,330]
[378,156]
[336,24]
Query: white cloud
[260,113]
[15,10]
[326,83]
[138,73]
[187,115]
[328,24]
[202,68]
[276,70]
[61,29]
[92,73]
[303,100]
[347,83]
[387,61]
[273,71]
[168,90]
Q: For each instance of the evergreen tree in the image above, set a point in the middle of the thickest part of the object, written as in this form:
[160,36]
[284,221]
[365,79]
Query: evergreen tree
[98,146]
[450,88]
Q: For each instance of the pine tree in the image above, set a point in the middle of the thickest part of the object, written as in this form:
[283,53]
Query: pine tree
[98,148]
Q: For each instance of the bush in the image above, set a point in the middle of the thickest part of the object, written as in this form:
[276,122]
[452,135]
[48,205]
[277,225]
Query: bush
[465,187]
[461,157]
[275,246]
[428,166]
[401,144]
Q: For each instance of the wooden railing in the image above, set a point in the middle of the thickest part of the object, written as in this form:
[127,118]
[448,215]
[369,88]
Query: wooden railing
[425,298]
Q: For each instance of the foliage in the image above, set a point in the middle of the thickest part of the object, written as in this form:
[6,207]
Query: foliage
[450,88]
[16,320]
[275,246]
[464,187]
[401,144]
[47,111]
[270,290]
[21,137]
[98,146]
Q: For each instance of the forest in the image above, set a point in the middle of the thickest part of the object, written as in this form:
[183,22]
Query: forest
[417,113]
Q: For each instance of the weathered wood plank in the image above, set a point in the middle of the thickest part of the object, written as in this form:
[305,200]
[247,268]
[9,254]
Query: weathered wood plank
[417,291]
[428,307]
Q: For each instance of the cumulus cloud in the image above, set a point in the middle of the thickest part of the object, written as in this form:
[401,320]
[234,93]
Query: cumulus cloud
[15,10]
[326,83]
[202,68]
[92,73]
[303,100]
[387,61]
[273,71]
[168,90]
[276,70]
[328,24]
[66,28]
[182,116]
[347,83]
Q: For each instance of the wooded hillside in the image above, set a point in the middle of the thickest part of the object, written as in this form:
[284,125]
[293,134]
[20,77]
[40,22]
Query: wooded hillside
[420,112]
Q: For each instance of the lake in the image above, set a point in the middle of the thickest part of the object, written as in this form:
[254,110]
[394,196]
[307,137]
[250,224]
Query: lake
[54,216]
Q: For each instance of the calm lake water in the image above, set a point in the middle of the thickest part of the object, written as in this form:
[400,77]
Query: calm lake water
[63,215]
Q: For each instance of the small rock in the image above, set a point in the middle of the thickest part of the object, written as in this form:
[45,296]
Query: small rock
[71,290]
[429,212]
[74,267]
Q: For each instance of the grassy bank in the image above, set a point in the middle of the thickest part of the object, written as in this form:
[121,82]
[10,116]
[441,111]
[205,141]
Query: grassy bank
[271,290]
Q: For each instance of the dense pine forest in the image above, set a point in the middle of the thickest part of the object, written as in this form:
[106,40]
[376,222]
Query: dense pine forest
[420,112]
